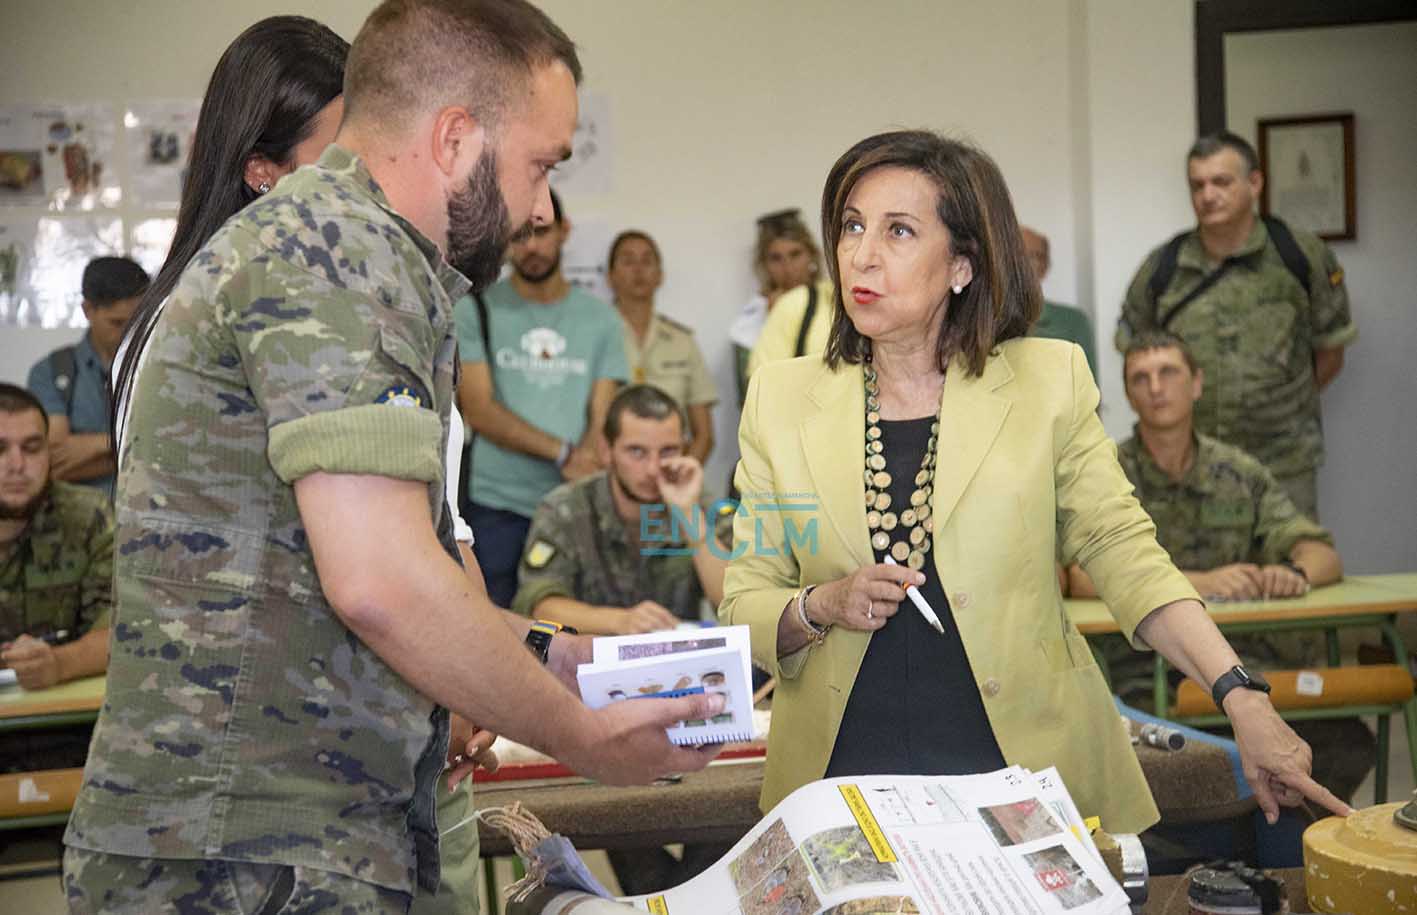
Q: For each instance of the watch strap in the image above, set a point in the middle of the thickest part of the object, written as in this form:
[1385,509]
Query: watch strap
[1235,678]
[539,634]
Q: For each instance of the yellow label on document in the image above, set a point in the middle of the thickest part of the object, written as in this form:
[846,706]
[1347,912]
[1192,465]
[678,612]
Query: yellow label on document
[867,821]
[657,905]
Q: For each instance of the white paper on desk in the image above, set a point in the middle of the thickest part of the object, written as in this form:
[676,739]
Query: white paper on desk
[8,677]
[904,844]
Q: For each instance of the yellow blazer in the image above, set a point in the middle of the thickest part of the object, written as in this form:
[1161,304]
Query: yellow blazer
[1025,474]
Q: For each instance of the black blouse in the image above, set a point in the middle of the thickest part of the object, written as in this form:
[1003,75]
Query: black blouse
[914,708]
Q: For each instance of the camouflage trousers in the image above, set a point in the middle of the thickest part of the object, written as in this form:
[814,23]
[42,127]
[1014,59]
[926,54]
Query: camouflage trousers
[457,851]
[95,882]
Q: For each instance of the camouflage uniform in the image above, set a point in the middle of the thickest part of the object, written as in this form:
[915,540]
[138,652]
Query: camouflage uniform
[578,547]
[101,884]
[56,576]
[1254,333]
[244,722]
[1227,509]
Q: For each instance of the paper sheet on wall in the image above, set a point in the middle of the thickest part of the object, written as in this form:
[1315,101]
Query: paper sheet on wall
[150,239]
[158,137]
[583,255]
[42,265]
[59,156]
[590,168]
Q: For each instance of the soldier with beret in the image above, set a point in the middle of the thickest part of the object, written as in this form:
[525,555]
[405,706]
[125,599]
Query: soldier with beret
[1262,305]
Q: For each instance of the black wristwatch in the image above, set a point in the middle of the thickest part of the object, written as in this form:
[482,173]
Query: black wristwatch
[1235,678]
[538,637]
[1294,567]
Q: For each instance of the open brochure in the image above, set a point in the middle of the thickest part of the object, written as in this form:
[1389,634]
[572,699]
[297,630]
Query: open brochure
[1003,843]
[677,663]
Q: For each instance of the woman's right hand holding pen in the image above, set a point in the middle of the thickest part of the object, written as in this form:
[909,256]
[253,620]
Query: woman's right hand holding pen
[863,600]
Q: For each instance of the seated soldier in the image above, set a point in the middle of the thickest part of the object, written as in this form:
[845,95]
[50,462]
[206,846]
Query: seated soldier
[1232,530]
[56,578]
[1219,513]
[626,549]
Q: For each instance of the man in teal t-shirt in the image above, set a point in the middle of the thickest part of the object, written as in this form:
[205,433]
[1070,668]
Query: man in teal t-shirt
[1058,322]
[538,402]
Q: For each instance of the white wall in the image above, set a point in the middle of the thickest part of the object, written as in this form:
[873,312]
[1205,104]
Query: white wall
[722,111]
[1141,120]
[1367,490]
[725,110]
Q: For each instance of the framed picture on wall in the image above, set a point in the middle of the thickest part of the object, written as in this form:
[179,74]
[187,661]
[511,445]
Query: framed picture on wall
[1308,170]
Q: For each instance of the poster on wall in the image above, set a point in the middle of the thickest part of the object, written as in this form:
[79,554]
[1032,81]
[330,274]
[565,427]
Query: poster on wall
[589,170]
[58,156]
[42,266]
[158,137]
[583,255]
[150,240]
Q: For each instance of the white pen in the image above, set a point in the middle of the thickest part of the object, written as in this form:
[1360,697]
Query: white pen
[919,601]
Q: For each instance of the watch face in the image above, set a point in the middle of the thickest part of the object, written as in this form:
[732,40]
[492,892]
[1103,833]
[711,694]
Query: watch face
[1251,681]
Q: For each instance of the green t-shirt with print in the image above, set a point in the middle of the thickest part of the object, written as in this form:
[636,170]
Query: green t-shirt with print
[545,361]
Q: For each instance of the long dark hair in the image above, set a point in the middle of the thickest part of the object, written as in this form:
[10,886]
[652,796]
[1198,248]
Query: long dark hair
[1002,300]
[262,99]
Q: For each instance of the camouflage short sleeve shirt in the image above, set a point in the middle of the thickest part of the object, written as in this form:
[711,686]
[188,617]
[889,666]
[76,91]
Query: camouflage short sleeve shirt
[1254,334]
[313,333]
[1228,507]
[58,575]
[578,547]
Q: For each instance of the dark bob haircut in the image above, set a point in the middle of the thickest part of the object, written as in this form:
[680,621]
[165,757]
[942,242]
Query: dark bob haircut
[1001,302]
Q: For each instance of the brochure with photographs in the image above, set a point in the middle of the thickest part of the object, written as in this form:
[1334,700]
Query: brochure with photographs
[1010,841]
[678,663]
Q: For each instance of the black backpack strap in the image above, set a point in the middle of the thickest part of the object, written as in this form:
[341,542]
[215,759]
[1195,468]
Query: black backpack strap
[1208,281]
[482,322]
[465,474]
[63,367]
[1165,269]
[800,348]
[1289,250]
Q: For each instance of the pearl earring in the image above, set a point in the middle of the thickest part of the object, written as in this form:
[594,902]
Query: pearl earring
[958,289]
[264,186]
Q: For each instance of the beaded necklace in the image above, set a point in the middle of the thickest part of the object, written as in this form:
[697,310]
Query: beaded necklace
[905,534]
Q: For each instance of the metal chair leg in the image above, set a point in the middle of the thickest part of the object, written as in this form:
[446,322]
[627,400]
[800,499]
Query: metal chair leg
[1380,769]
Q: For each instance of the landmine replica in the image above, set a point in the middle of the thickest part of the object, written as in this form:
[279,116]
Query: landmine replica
[1364,863]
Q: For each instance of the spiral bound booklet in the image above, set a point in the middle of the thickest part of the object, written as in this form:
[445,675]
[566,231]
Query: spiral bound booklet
[625,668]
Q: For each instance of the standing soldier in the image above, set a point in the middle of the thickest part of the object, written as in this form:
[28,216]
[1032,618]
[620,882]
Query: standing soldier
[293,625]
[1263,307]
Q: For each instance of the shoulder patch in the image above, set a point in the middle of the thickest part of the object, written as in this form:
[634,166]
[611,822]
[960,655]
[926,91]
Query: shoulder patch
[1335,277]
[682,328]
[540,554]
[400,395]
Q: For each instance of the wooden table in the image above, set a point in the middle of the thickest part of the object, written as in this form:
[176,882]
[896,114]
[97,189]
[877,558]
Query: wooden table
[720,803]
[1371,598]
[43,798]
[1371,601]
[75,702]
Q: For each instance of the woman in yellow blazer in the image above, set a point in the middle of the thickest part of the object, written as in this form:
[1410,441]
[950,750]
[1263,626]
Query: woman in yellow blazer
[934,432]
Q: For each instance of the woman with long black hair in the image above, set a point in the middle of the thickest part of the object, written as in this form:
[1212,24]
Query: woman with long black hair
[273,104]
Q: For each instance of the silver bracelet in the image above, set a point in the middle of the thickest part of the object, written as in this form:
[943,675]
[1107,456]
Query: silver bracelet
[818,632]
[565,453]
